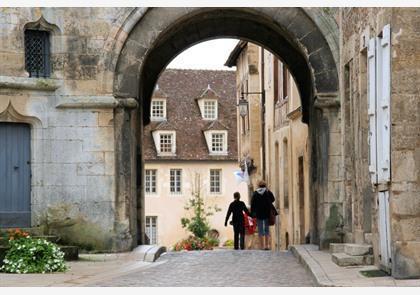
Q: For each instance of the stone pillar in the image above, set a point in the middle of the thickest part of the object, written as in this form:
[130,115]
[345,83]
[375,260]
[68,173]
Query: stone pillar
[125,227]
[327,169]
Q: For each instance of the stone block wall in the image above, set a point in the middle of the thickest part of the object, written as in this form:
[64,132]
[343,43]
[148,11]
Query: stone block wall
[71,113]
[405,142]
[361,209]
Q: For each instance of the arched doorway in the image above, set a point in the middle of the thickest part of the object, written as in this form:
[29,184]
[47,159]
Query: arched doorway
[305,40]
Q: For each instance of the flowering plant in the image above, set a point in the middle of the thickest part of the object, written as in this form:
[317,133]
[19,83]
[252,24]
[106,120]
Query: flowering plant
[194,243]
[28,255]
[14,234]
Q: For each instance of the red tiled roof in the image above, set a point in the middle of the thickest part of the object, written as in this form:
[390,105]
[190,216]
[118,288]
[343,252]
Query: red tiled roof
[182,88]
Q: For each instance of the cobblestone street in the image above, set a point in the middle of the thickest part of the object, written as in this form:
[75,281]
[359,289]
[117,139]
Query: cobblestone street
[219,268]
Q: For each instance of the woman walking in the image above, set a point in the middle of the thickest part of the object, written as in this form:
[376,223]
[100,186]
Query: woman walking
[261,204]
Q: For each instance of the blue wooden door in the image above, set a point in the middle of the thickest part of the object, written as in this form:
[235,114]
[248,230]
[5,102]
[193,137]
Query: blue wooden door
[15,175]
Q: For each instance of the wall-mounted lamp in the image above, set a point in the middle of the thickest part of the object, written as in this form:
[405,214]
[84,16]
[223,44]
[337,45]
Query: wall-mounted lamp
[243,106]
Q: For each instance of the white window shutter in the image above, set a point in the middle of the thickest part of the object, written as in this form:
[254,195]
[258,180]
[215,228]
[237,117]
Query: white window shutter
[383,86]
[372,110]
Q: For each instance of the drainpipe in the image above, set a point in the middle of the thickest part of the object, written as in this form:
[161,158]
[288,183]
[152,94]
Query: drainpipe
[262,114]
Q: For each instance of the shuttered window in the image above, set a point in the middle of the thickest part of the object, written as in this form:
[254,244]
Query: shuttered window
[379,100]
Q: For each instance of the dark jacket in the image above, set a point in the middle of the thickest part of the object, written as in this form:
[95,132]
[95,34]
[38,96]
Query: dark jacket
[261,204]
[236,208]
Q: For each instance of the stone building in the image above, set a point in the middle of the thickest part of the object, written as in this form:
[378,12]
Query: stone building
[193,115]
[81,93]
[281,155]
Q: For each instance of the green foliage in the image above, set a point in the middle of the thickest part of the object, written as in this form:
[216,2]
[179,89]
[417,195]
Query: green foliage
[229,244]
[198,224]
[213,241]
[28,255]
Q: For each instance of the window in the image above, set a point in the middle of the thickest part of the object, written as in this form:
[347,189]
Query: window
[175,181]
[285,170]
[37,53]
[215,181]
[158,109]
[210,109]
[285,82]
[217,142]
[150,181]
[166,143]
[151,229]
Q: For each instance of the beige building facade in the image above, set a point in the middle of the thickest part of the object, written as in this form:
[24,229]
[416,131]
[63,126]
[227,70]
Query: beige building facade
[190,146]
[168,207]
[280,156]
[95,99]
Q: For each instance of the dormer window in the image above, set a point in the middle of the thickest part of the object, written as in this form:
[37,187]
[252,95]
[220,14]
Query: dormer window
[217,142]
[158,105]
[165,142]
[207,102]
[158,110]
[210,109]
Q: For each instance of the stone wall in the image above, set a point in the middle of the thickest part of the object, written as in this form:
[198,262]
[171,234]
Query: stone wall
[361,209]
[405,142]
[72,120]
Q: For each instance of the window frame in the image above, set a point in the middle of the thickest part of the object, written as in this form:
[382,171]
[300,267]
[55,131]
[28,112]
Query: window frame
[149,220]
[176,187]
[158,118]
[212,181]
[215,109]
[149,182]
[169,136]
[46,52]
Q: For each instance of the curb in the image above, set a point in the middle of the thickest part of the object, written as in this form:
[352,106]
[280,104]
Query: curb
[310,264]
[148,253]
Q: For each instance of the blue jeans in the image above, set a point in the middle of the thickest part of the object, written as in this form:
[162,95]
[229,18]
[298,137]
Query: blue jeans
[263,227]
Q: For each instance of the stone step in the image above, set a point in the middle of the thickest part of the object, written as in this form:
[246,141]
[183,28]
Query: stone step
[358,249]
[70,252]
[343,259]
[336,248]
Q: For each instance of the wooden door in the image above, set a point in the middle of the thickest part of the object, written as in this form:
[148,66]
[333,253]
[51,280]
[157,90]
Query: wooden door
[15,175]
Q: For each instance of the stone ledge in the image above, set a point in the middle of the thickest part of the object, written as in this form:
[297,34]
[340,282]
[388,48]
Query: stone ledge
[82,102]
[92,102]
[43,84]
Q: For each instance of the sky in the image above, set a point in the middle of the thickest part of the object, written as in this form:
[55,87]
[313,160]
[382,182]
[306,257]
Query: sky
[210,55]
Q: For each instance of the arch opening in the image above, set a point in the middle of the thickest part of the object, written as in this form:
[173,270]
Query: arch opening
[290,34]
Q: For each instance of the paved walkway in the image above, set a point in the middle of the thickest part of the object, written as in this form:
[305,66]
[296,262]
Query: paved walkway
[327,274]
[89,269]
[218,268]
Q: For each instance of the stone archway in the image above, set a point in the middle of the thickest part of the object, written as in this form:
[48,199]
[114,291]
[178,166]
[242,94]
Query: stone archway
[305,39]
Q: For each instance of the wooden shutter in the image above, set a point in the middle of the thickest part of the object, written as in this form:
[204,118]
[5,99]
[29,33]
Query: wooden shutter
[372,110]
[383,86]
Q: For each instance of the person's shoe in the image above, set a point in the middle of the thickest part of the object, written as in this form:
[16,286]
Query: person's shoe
[266,248]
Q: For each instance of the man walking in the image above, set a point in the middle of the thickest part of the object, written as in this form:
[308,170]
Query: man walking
[236,208]
[261,204]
